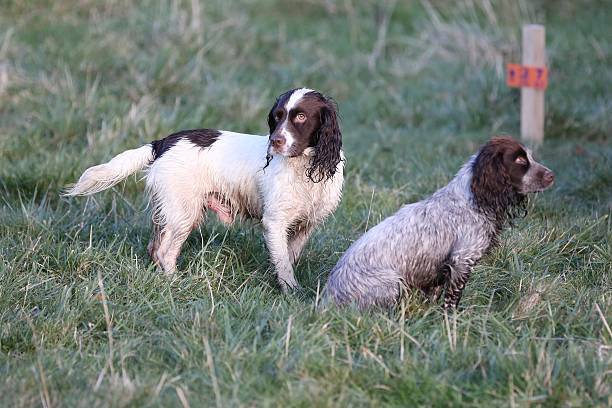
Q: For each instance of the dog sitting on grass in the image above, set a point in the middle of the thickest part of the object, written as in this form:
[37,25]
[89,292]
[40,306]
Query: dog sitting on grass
[433,244]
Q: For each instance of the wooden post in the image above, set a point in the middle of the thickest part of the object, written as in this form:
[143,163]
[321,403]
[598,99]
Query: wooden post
[532,100]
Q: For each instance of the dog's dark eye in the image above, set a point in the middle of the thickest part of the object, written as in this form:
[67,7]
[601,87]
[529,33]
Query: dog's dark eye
[278,115]
[521,161]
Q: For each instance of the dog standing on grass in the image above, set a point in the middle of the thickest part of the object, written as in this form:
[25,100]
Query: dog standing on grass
[433,244]
[290,180]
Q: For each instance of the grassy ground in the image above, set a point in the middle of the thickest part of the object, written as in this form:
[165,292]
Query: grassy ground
[87,321]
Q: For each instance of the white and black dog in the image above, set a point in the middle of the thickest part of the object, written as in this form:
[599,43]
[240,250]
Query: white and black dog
[434,244]
[291,180]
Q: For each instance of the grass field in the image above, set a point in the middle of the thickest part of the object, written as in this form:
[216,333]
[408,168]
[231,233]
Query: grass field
[87,321]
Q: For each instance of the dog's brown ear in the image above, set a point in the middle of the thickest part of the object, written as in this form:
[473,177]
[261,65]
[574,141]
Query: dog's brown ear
[491,184]
[327,144]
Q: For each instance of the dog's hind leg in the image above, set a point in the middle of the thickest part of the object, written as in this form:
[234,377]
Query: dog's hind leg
[180,220]
[154,243]
[385,290]
[364,286]
[172,239]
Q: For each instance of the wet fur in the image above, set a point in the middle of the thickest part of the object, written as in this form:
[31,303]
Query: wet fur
[433,245]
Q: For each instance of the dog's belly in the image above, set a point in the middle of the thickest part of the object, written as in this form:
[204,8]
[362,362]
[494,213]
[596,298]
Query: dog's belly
[223,210]
[228,208]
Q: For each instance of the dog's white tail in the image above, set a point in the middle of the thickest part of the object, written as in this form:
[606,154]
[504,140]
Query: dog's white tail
[103,176]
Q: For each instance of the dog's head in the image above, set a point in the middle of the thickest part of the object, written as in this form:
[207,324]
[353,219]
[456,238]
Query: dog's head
[305,122]
[504,171]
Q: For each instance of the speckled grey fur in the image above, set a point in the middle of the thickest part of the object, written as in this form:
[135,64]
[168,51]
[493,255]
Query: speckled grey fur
[431,245]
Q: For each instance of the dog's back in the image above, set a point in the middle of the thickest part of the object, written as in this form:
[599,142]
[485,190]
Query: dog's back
[225,176]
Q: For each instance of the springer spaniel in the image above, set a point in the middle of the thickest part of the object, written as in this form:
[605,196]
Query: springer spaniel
[290,180]
[435,243]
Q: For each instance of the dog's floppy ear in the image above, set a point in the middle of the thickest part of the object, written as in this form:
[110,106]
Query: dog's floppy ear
[491,185]
[327,144]
[488,176]
[271,120]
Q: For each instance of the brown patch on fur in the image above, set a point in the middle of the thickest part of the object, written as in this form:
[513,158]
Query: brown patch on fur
[200,137]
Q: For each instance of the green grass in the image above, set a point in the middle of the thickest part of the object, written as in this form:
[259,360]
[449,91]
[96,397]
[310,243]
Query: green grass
[87,321]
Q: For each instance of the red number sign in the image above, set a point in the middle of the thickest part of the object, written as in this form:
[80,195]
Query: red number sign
[518,76]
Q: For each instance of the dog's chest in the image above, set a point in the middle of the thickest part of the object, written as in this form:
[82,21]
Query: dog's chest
[287,191]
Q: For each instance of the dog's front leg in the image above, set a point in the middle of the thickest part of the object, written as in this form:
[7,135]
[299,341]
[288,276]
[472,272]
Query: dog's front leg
[460,273]
[298,239]
[276,235]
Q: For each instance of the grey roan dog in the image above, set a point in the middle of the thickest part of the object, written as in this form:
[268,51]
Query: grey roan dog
[433,244]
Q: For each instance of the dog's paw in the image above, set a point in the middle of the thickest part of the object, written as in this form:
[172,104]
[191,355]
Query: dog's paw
[289,288]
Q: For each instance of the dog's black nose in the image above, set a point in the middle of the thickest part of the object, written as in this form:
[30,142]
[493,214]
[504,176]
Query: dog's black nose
[278,141]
